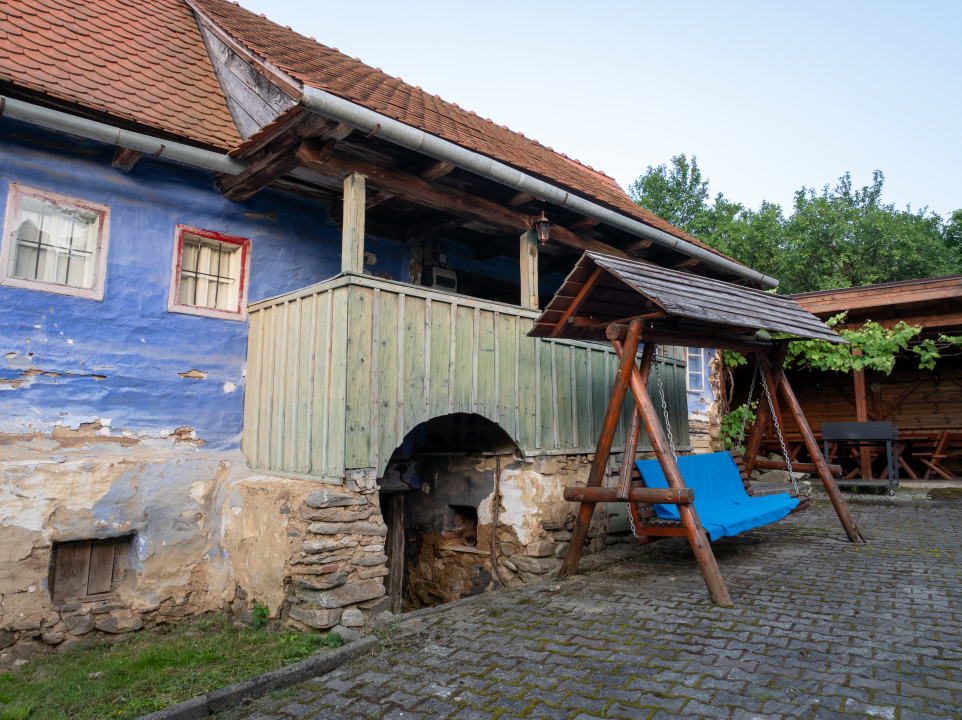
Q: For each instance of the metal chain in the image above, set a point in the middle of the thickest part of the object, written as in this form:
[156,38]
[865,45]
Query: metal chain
[748,407]
[781,438]
[664,406]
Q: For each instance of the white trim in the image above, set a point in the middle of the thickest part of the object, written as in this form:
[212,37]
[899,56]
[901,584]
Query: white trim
[244,247]
[8,242]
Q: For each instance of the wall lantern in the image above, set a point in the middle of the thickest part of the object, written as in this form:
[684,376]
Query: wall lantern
[542,227]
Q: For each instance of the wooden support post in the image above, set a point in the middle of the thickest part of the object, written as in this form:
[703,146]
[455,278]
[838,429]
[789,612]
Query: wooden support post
[352,232]
[757,433]
[838,502]
[861,414]
[628,459]
[529,270]
[697,537]
[596,475]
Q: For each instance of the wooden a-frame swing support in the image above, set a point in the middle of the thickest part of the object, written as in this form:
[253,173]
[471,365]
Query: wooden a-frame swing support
[637,304]
[634,378]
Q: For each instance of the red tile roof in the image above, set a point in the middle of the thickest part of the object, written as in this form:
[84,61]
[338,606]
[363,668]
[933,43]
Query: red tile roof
[327,69]
[139,60]
[144,61]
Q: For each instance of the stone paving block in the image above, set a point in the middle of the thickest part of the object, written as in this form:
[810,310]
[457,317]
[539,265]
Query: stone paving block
[821,630]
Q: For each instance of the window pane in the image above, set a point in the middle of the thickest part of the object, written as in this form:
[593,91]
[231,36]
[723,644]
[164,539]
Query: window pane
[210,273]
[55,244]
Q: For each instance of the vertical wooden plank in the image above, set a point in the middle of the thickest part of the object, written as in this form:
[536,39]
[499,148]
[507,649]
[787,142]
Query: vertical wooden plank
[308,366]
[292,396]
[506,356]
[266,388]
[529,270]
[375,398]
[336,416]
[549,396]
[536,370]
[440,356]
[465,363]
[101,567]
[516,370]
[561,408]
[359,375]
[496,390]
[413,362]
[71,570]
[452,357]
[320,418]
[387,364]
[426,360]
[275,386]
[588,430]
[581,408]
[352,232]
[252,425]
[484,383]
[528,398]
[399,399]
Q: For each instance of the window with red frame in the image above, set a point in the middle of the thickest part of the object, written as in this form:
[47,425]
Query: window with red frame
[210,272]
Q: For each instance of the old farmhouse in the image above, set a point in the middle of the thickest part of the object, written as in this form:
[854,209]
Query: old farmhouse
[265,328]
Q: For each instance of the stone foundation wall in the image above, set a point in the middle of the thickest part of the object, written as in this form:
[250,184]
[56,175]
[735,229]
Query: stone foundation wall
[206,534]
[199,532]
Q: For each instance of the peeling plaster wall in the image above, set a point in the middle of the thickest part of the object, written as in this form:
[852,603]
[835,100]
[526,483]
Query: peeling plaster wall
[119,418]
[704,409]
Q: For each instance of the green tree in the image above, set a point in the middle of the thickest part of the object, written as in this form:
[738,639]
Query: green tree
[840,237]
[845,236]
[677,195]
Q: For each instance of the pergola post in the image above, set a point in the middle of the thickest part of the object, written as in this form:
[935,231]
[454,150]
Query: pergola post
[596,476]
[352,231]
[529,270]
[777,379]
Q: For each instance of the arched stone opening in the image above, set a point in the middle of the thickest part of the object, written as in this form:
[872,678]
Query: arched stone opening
[439,497]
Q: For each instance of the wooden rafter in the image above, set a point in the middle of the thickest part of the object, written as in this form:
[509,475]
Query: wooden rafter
[125,159]
[576,303]
[278,158]
[444,199]
[439,169]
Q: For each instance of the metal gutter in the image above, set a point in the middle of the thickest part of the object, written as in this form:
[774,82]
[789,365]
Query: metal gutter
[94,130]
[370,122]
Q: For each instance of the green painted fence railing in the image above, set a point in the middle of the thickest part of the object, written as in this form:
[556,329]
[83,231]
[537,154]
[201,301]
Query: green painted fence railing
[339,372]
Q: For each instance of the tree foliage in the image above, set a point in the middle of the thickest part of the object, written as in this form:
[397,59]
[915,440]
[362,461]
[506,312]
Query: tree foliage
[840,236]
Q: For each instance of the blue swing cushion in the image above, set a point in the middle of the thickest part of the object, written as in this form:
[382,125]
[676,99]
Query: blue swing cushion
[721,502]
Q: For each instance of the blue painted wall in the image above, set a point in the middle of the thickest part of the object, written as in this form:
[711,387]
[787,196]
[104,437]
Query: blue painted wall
[129,339]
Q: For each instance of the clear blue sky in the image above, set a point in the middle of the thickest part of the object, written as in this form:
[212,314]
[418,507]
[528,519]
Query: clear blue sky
[769,96]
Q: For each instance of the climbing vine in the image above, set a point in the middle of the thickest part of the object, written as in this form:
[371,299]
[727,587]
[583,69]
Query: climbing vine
[871,347]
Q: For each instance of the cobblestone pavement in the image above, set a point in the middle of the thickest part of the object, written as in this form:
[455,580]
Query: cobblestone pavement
[821,629]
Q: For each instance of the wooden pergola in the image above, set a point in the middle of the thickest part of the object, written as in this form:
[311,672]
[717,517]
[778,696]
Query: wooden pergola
[631,304]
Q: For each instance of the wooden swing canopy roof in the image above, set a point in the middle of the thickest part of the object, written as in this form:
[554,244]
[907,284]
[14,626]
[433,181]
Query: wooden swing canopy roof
[679,308]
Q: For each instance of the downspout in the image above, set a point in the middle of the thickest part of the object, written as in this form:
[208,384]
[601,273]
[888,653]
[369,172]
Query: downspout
[93,130]
[368,121]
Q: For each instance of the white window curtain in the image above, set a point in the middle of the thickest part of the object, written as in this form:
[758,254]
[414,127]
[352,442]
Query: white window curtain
[209,273]
[55,244]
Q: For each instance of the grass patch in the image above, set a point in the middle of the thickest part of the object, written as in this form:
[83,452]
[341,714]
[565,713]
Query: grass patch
[150,670]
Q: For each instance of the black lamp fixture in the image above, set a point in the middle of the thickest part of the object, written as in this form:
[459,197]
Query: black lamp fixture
[542,228]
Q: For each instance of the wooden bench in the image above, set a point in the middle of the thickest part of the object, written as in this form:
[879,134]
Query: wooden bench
[649,527]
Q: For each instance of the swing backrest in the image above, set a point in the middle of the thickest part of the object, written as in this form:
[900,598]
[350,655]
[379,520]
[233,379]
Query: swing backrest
[715,477]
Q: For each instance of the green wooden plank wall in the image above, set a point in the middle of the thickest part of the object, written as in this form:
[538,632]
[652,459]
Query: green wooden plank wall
[339,372]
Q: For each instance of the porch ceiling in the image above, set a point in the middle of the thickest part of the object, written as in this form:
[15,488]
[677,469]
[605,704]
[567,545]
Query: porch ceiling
[411,196]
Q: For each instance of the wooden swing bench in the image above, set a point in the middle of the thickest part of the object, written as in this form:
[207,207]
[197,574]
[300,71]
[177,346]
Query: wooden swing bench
[619,300]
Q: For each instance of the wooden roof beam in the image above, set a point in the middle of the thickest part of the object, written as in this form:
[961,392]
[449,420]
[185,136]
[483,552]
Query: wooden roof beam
[447,200]
[583,224]
[277,159]
[439,169]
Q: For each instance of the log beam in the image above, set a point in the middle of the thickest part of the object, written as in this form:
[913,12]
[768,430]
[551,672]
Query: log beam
[352,230]
[596,475]
[447,200]
[529,270]
[668,496]
[838,502]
